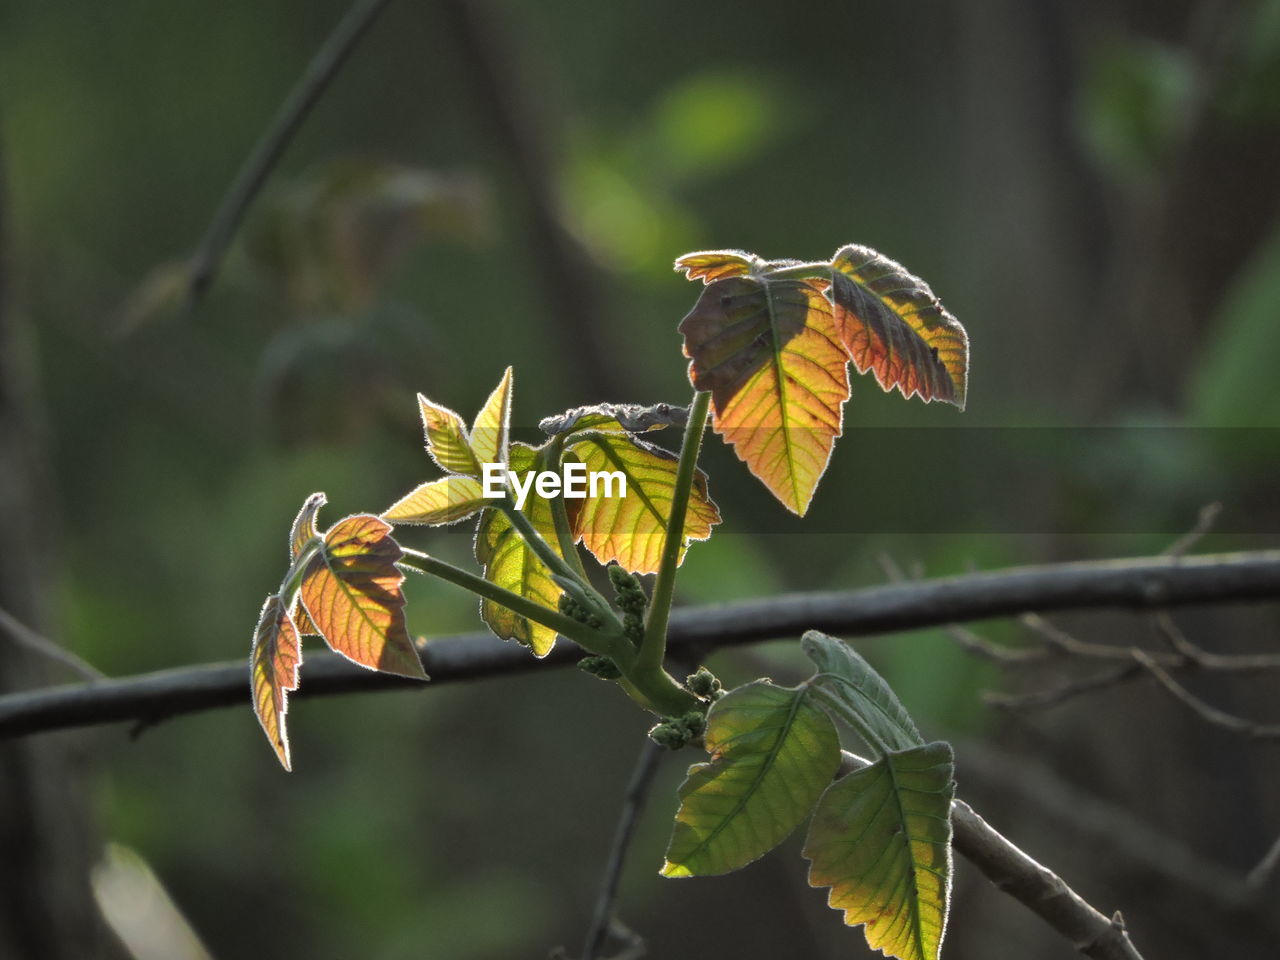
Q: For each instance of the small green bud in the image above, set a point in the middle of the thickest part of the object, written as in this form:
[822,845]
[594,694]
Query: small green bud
[704,683]
[601,667]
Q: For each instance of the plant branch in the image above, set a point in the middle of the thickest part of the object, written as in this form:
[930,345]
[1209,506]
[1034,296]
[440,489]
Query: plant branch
[653,647]
[23,635]
[632,806]
[266,153]
[1141,584]
[1208,713]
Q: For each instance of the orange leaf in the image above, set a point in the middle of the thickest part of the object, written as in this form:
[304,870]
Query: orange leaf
[891,323]
[304,530]
[352,592]
[273,667]
[708,265]
[768,351]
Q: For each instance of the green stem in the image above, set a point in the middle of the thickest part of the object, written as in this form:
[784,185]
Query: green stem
[654,646]
[850,716]
[584,636]
[560,515]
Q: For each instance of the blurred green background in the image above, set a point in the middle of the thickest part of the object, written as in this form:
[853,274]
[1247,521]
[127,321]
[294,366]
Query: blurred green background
[1092,188]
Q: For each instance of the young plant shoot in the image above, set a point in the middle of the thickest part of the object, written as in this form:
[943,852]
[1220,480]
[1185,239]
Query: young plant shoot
[769,345]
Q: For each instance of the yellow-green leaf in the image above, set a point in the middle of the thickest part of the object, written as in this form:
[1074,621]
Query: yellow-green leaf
[447,440]
[304,531]
[273,669]
[891,323]
[446,500]
[510,563]
[352,591]
[767,349]
[881,840]
[708,265]
[772,753]
[489,433]
[631,529]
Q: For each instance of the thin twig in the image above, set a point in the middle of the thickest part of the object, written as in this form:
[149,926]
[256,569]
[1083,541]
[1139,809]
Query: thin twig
[1197,656]
[1204,523]
[633,802]
[20,633]
[1259,875]
[1061,693]
[968,640]
[1211,714]
[1144,583]
[266,153]
[1035,886]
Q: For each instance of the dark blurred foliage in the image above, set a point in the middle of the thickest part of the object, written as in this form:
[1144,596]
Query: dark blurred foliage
[1090,187]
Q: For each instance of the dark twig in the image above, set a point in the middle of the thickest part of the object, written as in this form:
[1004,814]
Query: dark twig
[1211,714]
[1265,869]
[1035,886]
[633,802]
[266,153]
[1196,656]
[1145,583]
[1062,692]
[1204,523]
[20,633]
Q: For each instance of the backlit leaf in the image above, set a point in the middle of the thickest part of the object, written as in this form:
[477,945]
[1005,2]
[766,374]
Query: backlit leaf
[891,323]
[881,840]
[858,686]
[304,531]
[446,500]
[768,351]
[447,440]
[711,265]
[489,433]
[511,564]
[273,670]
[352,590]
[772,753]
[631,529]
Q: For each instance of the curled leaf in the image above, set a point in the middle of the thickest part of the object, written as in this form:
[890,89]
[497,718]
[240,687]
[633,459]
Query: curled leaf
[273,672]
[854,683]
[615,418]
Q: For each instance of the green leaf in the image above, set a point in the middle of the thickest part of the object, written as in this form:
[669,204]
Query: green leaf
[615,418]
[631,530]
[352,592]
[304,531]
[855,684]
[772,753]
[447,440]
[493,423]
[510,563]
[273,672]
[881,840]
[442,501]
[892,324]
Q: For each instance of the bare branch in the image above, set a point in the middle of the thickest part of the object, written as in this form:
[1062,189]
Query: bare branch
[1062,692]
[1033,885]
[266,153]
[20,633]
[1204,523]
[1197,656]
[1211,714]
[1265,869]
[1145,583]
[633,803]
